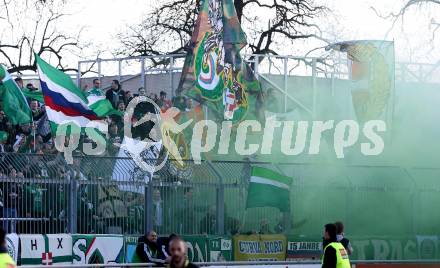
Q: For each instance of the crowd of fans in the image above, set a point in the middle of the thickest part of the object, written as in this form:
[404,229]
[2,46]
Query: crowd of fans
[36,137]
[28,204]
[27,152]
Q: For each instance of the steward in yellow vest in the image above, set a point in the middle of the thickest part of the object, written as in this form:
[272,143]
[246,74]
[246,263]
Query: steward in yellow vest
[5,260]
[335,255]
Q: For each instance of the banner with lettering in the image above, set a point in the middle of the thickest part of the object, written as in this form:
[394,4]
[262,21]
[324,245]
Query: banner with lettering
[373,248]
[395,248]
[260,247]
[303,249]
[45,249]
[97,249]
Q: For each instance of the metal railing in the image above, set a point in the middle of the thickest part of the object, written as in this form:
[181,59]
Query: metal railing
[335,67]
[253,263]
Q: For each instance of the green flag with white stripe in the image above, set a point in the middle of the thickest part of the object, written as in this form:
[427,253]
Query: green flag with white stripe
[14,103]
[268,188]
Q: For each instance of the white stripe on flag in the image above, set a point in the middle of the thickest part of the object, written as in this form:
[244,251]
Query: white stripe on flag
[60,118]
[9,77]
[93,99]
[70,96]
[261,180]
[7,74]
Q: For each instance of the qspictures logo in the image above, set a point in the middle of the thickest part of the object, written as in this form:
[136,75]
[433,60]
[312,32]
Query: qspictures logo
[293,137]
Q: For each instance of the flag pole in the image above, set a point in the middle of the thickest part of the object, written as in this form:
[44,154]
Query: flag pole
[33,131]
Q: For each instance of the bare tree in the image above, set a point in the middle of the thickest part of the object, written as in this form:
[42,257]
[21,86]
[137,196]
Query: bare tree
[408,4]
[168,28]
[31,26]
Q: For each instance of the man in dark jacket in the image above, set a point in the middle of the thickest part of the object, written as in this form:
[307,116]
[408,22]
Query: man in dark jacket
[115,94]
[335,255]
[148,251]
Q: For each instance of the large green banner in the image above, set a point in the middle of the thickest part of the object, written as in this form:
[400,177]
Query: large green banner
[395,248]
[97,249]
[370,248]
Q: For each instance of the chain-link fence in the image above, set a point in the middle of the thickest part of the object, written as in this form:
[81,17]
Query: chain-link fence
[42,194]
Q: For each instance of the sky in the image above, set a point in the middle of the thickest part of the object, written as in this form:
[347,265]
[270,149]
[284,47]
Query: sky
[346,20]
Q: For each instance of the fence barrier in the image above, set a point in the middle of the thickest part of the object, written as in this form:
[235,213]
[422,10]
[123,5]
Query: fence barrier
[310,264]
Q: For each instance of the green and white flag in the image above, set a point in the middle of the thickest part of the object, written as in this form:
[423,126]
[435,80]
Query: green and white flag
[14,103]
[268,188]
[35,95]
[66,103]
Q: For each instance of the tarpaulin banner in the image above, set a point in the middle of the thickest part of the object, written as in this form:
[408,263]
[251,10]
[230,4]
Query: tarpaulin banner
[260,247]
[371,247]
[59,246]
[395,248]
[45,249]
[298,249]
[32,248]
[98,249]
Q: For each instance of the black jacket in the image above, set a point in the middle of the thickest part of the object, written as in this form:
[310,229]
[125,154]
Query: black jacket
[163,243]
[330,259]
[115,97]
[149,251]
